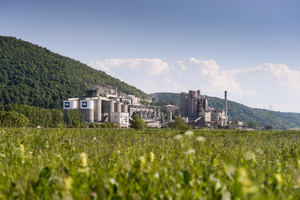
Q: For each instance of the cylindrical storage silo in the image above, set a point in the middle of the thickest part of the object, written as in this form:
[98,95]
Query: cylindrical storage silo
[118,107]
[105,106]
[87,110]
[205,104]
[98,110]
[169,115]
[112,106]
[69,105]
[125,108]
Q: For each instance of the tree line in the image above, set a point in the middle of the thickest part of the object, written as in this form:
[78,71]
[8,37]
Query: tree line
[16,115]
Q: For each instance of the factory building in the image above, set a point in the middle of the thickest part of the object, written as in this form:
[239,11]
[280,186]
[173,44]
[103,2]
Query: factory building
[194,109]
[113,108]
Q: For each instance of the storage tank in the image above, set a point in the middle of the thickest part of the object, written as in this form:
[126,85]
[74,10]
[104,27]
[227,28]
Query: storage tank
[92,93]
[69,105]
[87,110]
[169,116]
[191,104]
[198,93]
[205,104]
[112,106]
[125,108]
[118,107]
[98,110]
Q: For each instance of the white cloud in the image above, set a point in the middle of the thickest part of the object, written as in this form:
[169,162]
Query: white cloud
[204,66]
[153,66]
[178,66]
[251,92]
[214,79]
[273,75]
[257,86]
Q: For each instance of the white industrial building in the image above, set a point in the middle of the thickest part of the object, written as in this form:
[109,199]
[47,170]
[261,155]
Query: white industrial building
[113,108]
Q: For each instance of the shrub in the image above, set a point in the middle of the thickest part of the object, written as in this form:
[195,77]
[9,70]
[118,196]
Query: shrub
[13,119]
[92,125]
[165,126]
[137,123]
[104,125]
[180,124]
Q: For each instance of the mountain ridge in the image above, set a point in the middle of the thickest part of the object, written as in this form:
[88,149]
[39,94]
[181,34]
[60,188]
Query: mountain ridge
[33,75]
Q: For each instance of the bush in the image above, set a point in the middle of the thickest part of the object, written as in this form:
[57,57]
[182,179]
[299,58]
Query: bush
[109,125]
[180,124]
[92,125]
[138,123]
[104,125]
[77,124]
[165,126]
[13,119]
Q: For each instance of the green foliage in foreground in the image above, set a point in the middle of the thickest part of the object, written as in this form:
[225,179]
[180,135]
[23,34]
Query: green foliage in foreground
[151,164]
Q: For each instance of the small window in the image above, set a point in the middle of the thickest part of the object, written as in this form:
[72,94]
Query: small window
[67,104]
[84,104]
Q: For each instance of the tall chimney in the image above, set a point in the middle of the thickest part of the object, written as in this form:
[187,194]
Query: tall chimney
[226,108]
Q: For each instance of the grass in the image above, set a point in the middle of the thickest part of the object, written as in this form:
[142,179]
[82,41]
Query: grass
[150,164]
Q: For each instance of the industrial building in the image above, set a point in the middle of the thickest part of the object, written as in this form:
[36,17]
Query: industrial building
[113,108]
[194,109]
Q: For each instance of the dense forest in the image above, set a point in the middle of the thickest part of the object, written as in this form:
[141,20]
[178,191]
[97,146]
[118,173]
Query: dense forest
[241,112]
[33,75]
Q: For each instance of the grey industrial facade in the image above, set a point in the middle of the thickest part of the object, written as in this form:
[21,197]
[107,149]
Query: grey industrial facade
[194,109]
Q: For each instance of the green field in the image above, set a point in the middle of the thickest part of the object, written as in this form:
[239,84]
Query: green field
[151,164]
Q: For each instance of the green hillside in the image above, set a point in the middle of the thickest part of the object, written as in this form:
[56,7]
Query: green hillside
[33,75]
[241,112]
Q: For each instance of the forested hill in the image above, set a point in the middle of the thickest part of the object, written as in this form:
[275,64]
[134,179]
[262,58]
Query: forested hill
[241,112]
[35,76]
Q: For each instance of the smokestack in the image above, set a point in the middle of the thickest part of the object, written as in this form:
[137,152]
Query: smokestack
[226,108]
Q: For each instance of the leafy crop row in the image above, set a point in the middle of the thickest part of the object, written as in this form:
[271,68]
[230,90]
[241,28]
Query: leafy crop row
[150,164]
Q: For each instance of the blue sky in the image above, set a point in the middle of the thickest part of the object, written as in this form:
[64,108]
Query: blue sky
[250,48]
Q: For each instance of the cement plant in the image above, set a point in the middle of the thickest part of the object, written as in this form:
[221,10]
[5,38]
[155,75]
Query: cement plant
[120,109]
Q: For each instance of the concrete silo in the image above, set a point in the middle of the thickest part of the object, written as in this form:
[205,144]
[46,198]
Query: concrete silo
[70,105]
[98,110]
[118,107]
[87,110]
